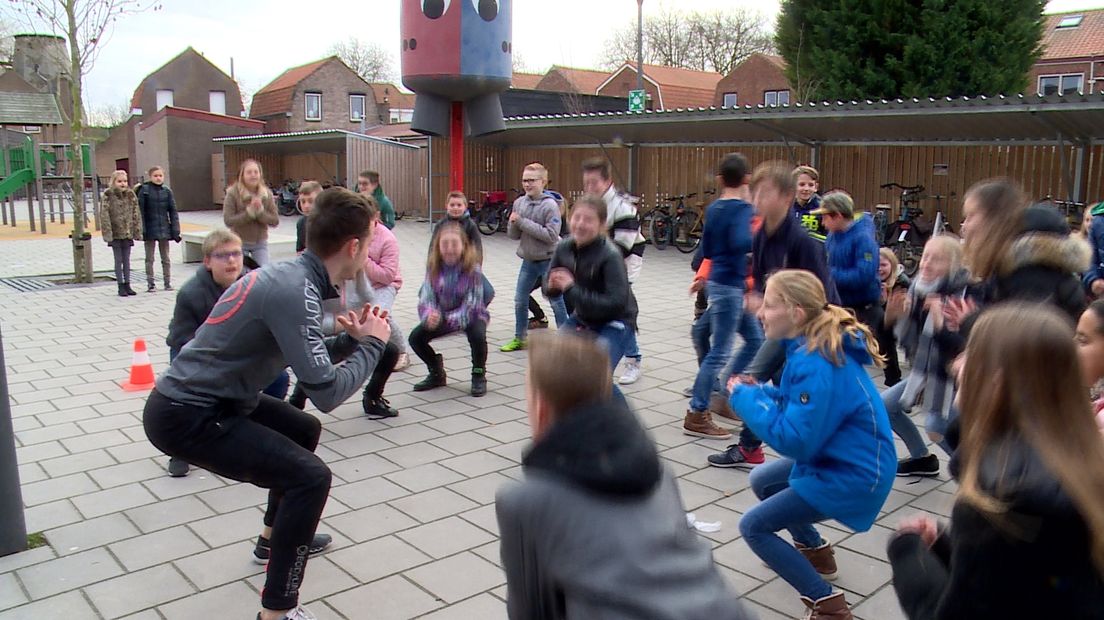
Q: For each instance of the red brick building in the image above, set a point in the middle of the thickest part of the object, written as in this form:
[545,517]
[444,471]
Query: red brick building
[325,94]
[571,80]
[1073,55]
[759,80]
[668,88]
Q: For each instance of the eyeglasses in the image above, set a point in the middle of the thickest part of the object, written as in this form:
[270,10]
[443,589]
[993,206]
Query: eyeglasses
[226,255]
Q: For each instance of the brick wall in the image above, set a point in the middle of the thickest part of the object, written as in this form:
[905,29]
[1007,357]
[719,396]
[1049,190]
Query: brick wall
[624,81]
[336,82]
[750,79]
[191,78]
[1065,68]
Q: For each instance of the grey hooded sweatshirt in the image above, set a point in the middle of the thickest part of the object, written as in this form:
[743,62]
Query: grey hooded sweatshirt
[597,530]
[269,319]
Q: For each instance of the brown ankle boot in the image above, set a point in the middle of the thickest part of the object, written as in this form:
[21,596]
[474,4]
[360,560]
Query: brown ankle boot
[833,607]
[700,424]
[822,558]
[719,405]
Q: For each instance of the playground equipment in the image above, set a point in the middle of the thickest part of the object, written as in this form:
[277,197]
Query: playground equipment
[45,172]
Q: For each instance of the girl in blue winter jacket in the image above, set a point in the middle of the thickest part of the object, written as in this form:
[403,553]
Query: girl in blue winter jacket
[828,422]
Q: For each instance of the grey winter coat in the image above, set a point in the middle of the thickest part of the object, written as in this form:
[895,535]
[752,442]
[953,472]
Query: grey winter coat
[597,530]
[538,227]
[158,207]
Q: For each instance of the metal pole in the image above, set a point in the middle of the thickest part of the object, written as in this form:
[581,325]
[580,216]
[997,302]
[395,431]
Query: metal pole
[13,527]
[639,44]
[456,148]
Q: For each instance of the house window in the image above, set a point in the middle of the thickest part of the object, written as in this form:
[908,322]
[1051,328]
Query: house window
[1070,21]
[356,108]
[32,129]
[164,98]
[1069,84]
[774,98]
[729,100]
[314,106]
[217,102]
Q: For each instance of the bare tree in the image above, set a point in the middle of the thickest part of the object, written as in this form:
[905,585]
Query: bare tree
[7,40]
[109,115]
[87,26]
[369,60]
[706,41]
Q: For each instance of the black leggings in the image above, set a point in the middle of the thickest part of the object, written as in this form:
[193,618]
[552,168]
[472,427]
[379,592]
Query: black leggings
[887,343]
[373,390]
[271,447]
[477,338]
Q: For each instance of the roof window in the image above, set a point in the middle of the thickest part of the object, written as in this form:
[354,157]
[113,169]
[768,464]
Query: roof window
[1070,21]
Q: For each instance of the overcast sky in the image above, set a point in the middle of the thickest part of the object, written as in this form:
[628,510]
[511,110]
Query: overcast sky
[265,37]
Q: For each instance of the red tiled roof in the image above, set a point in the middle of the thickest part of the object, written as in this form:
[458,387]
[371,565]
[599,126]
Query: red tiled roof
[778,61]
[1084,40]
[393,130]
[586,81]
[527,81]
[679,88]
[275,97]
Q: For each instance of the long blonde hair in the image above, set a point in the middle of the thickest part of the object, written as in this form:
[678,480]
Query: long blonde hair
[469,259]
[894,263]
[1022,377]
[825,325]
[240,184]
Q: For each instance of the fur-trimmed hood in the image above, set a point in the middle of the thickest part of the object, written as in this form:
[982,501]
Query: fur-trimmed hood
[1068,253]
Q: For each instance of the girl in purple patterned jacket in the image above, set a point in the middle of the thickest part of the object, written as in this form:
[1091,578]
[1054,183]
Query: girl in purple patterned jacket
[451,300]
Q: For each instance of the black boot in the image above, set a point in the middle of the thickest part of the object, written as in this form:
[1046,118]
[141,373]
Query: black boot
[436,377]
[122,290]
[129,291]
[298,398]
[479,381]
[378,408]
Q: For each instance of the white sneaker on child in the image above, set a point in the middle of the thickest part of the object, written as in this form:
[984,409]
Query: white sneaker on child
[632,372]
[403,362]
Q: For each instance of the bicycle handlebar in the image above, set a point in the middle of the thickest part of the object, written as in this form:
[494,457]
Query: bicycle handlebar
[904,188]
[677,198]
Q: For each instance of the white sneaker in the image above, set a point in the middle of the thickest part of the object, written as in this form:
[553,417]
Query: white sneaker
[403,362]
[632,372]
[688,391]
[299,613]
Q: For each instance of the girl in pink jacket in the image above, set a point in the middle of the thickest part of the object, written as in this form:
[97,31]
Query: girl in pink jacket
[382,268]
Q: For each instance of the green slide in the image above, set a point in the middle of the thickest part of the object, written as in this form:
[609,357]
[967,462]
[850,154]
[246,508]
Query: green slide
[15,182]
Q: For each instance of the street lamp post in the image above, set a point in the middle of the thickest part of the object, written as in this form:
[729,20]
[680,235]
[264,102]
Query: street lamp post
[639,44]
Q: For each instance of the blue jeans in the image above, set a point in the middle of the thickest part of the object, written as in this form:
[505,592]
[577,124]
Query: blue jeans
[532,272]
[714,332]
[901,423]
[750,331]
[781,508]
[614,336]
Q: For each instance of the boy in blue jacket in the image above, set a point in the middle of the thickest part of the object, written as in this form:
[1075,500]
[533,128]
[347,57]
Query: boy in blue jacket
[726,241]
[852,257]
[828,422]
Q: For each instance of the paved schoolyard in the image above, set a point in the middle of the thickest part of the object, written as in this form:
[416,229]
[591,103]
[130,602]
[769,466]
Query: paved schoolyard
[411,508]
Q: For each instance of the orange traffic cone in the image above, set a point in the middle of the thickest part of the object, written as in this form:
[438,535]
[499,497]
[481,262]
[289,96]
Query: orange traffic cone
[141,369]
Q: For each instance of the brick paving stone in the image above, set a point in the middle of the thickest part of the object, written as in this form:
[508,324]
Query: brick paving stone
[394,598]
[483,606]
[74,571]
[368,492]
[377,558]
[169,513]
[11,595]
[158,547]
[90,533]
[368,523]
[424,477]
[68,605]
[113,500]
[136,591]
[216,567]
[446,537]
[51,515]
[126,473]
[233,600]
[432,505]
[414,454]
[228,528]
[458,577]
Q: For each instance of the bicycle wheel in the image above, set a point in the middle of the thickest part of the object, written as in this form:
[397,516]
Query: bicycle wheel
[504,217]
[646,226]
[487,220]
[908,255]
[661,231]
[686,238]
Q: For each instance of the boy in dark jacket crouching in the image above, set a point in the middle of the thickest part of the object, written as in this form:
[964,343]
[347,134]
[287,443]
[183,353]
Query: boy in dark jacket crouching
[597,528]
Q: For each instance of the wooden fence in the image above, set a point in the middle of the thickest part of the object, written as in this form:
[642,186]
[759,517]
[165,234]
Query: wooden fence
[669,170]
[402,169]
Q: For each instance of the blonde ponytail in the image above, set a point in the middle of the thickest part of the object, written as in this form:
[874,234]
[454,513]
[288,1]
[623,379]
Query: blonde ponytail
[825,325]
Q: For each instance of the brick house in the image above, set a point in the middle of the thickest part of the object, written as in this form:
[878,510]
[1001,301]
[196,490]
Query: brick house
[759,80]
[1073,55]
[189,81]
[570,80]
[325,94]
[39,66]
[392,104]
[669,88]
[526,81]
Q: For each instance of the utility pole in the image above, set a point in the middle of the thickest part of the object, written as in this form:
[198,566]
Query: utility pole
[639,44]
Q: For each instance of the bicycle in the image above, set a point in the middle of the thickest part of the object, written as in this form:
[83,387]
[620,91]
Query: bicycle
[662,223]
[493,213]
[1073,210]
[907,235]
[688,225]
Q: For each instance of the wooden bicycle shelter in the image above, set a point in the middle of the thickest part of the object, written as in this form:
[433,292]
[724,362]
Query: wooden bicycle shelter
[1052,145]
